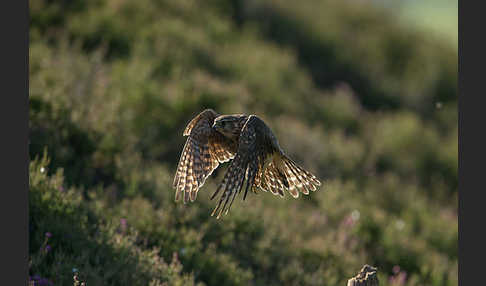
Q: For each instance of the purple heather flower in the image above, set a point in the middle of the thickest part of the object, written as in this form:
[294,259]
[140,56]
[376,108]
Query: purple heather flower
[36,277]
[399,278]
[402,277]
[44,282]
[123,223]
[48,248]
[348,221]
[61,189]
[48,234]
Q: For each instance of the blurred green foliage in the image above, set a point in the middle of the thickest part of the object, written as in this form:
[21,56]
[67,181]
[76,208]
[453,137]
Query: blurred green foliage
[364,102]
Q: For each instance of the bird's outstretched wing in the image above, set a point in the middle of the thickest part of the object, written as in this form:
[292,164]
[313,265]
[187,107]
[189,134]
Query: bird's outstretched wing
[262,163]
[205,148]
[283,174]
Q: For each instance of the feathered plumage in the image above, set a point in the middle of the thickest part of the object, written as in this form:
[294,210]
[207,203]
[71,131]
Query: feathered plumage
[257,159]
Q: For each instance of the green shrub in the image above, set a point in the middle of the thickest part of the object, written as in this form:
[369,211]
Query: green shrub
[367,105]
[67,236]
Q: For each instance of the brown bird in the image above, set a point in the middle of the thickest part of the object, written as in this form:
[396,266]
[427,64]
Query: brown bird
[256,158]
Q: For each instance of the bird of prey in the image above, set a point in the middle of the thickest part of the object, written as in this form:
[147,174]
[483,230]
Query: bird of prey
[256,157]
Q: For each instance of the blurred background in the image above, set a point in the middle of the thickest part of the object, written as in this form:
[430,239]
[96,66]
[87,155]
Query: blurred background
[361,93]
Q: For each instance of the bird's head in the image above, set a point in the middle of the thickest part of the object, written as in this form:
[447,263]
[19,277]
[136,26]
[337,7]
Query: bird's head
[229,125]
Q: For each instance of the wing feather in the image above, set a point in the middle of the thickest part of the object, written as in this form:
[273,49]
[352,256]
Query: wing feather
[257,145]
[203,151]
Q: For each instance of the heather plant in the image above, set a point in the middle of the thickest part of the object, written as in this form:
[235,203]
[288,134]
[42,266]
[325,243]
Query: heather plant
[76,239]
[366,104]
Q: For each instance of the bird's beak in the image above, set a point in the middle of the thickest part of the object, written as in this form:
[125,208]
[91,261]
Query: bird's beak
[214,125]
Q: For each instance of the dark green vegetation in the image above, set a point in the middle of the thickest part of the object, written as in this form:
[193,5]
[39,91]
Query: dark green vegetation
[366,104]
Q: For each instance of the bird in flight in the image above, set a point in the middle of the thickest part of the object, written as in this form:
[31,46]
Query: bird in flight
[256,157]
